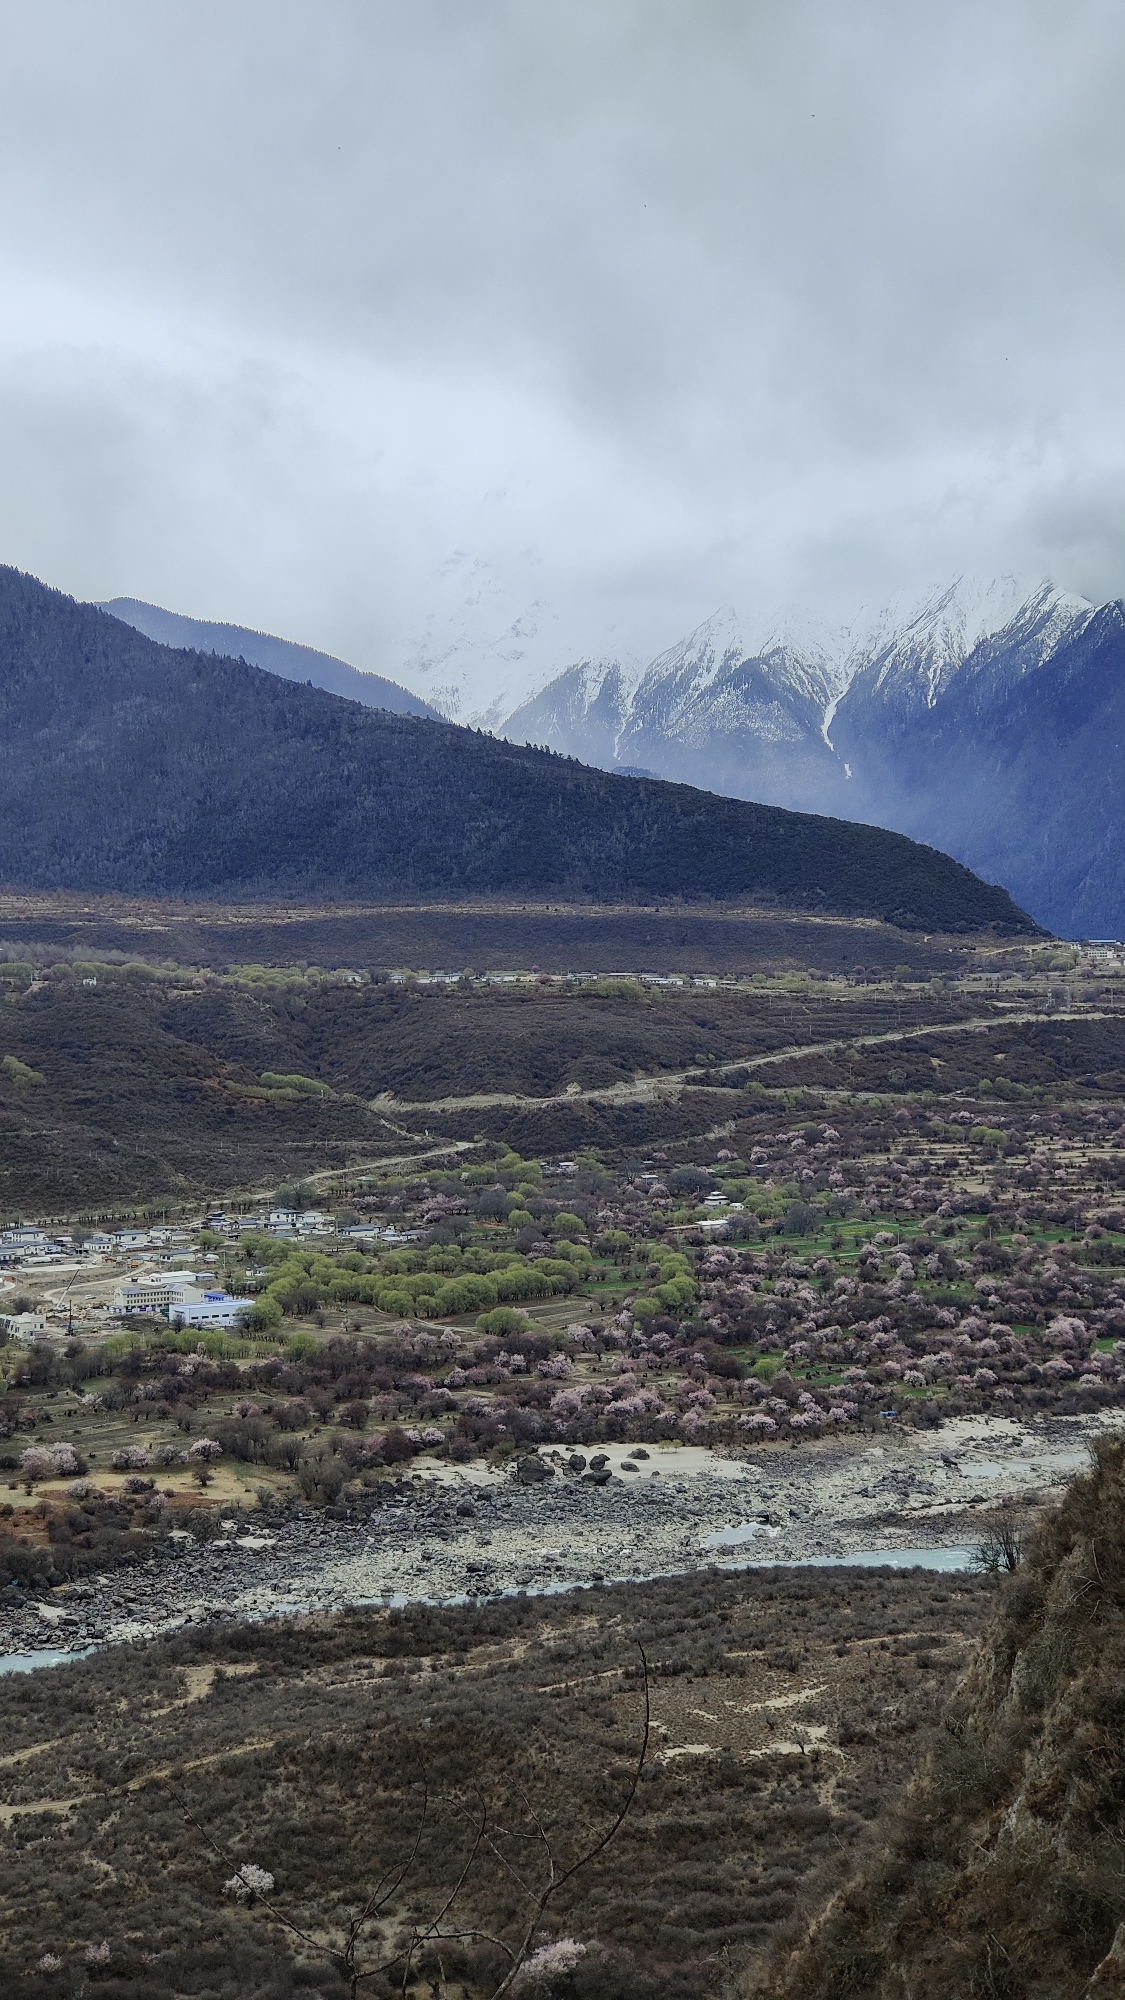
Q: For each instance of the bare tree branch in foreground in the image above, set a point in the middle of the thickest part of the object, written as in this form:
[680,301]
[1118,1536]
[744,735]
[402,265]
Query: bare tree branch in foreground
[252,1884]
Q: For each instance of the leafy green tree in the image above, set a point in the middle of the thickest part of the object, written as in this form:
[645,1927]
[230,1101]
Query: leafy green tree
[568,1224]
[21,1074]
[302,1346]
[503,1320]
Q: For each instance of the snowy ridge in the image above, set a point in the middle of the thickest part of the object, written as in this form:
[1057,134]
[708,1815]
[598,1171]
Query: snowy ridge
[491,651]
[936,718]
[702,656]
[719,679]
[933,644]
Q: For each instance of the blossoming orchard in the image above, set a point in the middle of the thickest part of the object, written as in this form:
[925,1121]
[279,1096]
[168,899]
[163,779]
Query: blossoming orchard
[890,1264]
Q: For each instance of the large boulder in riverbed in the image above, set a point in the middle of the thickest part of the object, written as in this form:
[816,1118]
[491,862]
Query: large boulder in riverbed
[531,1471]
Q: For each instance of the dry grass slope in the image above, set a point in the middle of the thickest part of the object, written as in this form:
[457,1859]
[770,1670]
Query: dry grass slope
[1001,1875]
[785,1708]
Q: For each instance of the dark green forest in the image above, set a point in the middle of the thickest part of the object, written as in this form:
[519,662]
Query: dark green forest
[132,767]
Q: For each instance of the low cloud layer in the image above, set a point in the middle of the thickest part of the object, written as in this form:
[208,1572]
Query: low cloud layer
[337,320]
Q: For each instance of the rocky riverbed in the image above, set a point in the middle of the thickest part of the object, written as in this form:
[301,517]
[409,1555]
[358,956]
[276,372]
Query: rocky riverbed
[451,1533]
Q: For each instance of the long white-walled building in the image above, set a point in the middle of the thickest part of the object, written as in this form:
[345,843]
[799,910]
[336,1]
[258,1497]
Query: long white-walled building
[179,1297]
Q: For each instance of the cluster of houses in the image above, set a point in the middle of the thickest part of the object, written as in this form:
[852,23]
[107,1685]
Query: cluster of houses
[21,1246]
[551,978]
[28,1245]
[185,1297]
[25,1244]
[273,1222]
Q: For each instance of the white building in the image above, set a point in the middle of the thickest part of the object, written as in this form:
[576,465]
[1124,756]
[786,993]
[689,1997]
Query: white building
[130,1239]
[213,1309]
[23,1326]
[159,1293]
[21,1239]
[180,1296]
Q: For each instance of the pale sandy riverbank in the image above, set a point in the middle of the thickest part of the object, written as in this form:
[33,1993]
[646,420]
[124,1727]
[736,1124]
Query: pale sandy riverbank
[455,1532]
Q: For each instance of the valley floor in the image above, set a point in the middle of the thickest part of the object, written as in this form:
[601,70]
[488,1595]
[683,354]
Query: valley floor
[835,1265]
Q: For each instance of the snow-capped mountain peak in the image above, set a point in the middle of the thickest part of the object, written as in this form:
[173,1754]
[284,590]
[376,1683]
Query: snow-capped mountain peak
[916,657]
[920,653]
[716,643]
[1045,620]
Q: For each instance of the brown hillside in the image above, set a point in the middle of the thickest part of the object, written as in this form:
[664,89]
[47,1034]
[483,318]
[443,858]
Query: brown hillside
[1003,1874]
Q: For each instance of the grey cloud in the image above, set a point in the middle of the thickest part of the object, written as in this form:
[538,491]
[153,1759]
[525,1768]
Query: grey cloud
[653,305]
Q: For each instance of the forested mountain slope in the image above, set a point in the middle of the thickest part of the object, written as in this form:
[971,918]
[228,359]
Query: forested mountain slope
[125,765]
[277,656]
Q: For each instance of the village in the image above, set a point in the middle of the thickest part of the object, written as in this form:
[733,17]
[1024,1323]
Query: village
[817,1337]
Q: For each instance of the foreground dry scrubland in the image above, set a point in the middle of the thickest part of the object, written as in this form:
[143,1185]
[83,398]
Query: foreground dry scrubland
[786,1708]
[489,934]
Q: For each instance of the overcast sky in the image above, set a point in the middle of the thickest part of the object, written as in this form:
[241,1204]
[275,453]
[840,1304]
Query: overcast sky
[640,307]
